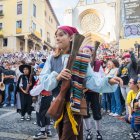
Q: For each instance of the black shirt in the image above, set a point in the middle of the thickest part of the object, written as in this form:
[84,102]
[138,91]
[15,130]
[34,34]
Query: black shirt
[1,71]
[9,72]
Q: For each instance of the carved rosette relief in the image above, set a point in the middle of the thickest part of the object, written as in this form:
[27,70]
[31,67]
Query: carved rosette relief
[91,21]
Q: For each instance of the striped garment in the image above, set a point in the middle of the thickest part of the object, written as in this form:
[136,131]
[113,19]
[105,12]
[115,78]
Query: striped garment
[78,74]
[137,116]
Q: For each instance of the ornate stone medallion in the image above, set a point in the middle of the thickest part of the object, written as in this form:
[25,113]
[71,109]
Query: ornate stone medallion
[91,21]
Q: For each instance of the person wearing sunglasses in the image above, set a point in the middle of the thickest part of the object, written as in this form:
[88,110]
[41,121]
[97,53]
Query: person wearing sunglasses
[133,107]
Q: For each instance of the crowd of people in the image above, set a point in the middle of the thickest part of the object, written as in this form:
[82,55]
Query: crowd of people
[31,81]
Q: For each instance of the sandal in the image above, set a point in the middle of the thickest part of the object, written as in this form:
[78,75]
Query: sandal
[89,135]
[99,136]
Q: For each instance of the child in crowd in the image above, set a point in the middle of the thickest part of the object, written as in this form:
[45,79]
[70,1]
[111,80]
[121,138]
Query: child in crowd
[92,99]
[42,105]
[54,73]
[24,86]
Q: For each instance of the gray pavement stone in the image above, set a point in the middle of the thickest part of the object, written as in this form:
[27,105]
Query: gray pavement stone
[11,125]
[3,112]
[11,128]
[3,138]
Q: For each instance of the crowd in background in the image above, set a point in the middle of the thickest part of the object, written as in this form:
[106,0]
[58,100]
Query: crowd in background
[27,57]
[122,64]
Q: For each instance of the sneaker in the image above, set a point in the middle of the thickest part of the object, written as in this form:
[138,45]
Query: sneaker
[111,114]
[5,105]
[108,111]
[22,118]
[52,122]
[115,115]
[49,133]
[28,118]
[35,123]
[89,135]
[134,135]
[124,113]
[12,105]
[40,135]
[99,136]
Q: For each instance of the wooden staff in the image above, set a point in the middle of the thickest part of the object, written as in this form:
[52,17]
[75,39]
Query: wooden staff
[57,106]
[97,43]
[76,43]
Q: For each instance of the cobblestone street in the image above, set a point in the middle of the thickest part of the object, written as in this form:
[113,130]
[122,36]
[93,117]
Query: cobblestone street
[65,59]
[11,128]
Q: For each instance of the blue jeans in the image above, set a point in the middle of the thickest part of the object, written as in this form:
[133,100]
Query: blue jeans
[106,101]
[116,106]
[135,127]
[8,93]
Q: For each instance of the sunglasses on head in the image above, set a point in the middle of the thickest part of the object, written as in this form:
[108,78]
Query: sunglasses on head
[131,82]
